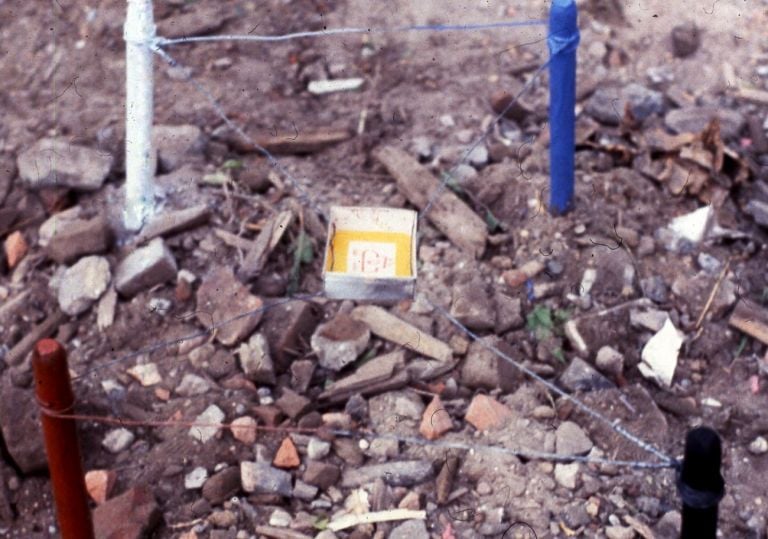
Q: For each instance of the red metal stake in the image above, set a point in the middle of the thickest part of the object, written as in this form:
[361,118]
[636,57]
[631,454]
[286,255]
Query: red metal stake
[54,395]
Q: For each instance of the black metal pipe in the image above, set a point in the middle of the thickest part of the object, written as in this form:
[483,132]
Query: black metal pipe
[700,484]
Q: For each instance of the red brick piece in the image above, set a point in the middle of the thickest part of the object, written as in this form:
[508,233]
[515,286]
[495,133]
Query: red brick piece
[485,413]
[132,515]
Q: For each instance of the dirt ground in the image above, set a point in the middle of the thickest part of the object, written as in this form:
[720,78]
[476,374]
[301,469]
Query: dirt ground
[62,69]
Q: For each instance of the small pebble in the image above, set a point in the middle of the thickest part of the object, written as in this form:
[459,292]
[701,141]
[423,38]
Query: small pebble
[280,518]
[195,479]
[483,488]
[759,446]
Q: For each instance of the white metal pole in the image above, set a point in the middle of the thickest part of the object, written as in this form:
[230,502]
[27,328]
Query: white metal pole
[140,159]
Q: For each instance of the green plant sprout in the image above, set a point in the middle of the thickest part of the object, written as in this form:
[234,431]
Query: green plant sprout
[544,323]
[303,253]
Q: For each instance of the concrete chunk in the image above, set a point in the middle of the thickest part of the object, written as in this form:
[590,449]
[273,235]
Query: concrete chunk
[144,268]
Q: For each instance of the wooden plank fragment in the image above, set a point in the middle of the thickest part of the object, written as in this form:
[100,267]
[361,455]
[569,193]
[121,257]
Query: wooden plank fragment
[750,319]
[302,143]
[379,369]
[44,329]
[264,243]
[233,240]
[172,222]
[390,327]
[759,97]
[448,213]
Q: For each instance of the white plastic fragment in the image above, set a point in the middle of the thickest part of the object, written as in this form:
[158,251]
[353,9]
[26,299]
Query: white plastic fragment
[712,403]
[659,356]
[320,87]
[691,227]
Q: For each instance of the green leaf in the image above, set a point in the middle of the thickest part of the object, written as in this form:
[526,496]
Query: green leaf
[306,253]
[451,183]
[558,353]
[321,523]
[230,164]
[742,344]
[216,178]
[491,221]
[540,322]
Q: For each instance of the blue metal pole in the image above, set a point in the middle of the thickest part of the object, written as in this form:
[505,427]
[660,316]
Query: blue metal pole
[563,40]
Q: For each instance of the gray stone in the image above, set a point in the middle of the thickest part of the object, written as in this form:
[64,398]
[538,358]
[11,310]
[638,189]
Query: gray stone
[610,360]
[686,39]
[175,143]
[649,505]
[222,485]
[222,297]
[212,415]
[145,268]
[655,288]
[261,478]
[321,474]
[607,105]
[301,374]
[758,446]
[758,210]
[410,529]
[695,119]
[478,157]
[668,526]
[56,162]
[709,263]
[318,449]
[82,284]
[483,369]
[404,473]
[422,147]
[472,305]
[304,491]
[463,173]
[292,404]
[566,474]
[340,341]
[196,478]
[20,424]
[256,361]
[393,410]
[575,514]
[619,532]
[117,440]
[570,439]
[79,237]
[648,319]
[508,313]
[280,518]
[580,376]
[192,385]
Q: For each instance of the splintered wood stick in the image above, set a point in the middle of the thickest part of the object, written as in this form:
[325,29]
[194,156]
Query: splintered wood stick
[751,320]
[712,294]
[350,521]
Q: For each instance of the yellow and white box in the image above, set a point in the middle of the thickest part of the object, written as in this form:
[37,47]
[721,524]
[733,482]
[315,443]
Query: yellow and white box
[370,254]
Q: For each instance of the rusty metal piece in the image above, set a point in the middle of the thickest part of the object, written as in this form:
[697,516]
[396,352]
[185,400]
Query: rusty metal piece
[54,395]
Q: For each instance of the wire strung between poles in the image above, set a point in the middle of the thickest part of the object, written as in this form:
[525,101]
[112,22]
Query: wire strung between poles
[161,41]
[614,425]
[274,163]
[527,454]
[208,331]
